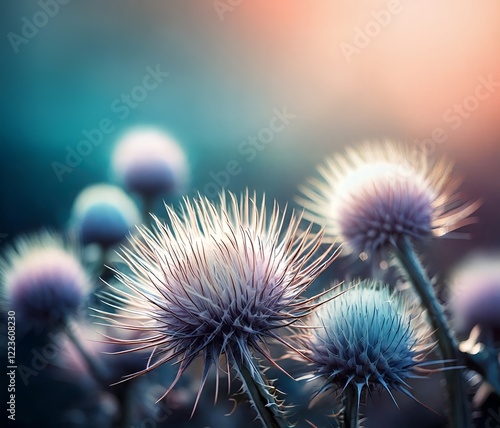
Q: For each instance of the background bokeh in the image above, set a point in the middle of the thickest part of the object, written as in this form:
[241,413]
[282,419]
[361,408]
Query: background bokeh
[230,65]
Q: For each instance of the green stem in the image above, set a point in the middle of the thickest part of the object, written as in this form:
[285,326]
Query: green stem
[258,392]
[350,397]
[148,203]
[460,416]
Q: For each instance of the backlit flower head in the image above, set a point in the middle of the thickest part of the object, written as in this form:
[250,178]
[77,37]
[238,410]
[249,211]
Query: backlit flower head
[43,281]
[367,337]
[475,291]
[150,163]
[372,196]
[220,280]
[104,214]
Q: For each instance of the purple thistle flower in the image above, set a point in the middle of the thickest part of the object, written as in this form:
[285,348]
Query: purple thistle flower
[367,337]
[43,282]
[104,214]
[220,280]
[476,294]
[150,163]
[374,195]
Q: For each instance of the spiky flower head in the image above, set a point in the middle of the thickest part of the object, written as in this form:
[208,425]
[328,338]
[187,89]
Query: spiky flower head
[475,289]
[372,196]
[43,281]
[367,337]
[220,280]
[149,162]
[104,214]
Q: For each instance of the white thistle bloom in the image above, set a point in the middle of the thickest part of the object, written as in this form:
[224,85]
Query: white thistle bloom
[372,196]
[220,280]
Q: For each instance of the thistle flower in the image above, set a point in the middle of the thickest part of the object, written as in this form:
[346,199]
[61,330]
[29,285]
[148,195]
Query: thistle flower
[476,293]
[373,196]
[150,163]
[219,281]
[367,337]
[43,281]
[104,214]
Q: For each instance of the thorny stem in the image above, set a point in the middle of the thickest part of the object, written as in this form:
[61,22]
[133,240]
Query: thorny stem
[350,397]
[460,416]
[263,401]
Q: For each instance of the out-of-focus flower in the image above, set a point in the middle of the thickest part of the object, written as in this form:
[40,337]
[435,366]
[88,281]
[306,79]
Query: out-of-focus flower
[150,163]
[104,214]
[221,280]
[475,298]
[43,281]
[113,358]
[374,195]
[367,337]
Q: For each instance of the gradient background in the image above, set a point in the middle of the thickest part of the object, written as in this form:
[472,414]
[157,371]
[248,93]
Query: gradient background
[226,77]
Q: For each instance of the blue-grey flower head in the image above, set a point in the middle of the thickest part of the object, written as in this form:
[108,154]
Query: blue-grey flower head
[372,196]
[104,214]
[367,337]
[219,280]
[43,281]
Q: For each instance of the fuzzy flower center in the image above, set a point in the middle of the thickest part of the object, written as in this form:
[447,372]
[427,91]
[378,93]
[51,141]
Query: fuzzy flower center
[235,292]
[376,204]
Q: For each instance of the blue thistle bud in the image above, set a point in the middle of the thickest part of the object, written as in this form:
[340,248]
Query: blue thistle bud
[367,337]
[103,214]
